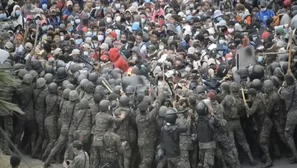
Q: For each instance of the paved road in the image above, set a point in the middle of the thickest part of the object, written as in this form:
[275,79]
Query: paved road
[279,163]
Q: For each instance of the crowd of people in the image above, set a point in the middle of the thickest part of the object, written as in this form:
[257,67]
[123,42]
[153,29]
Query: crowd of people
[153,83]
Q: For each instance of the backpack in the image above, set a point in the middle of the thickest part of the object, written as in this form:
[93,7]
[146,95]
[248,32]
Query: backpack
[277,19]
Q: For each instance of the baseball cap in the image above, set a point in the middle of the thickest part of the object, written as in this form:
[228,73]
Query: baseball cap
[69,3]
[113,34]
[86,46]
[57,51]
[8,45]
[104,46]
[75,52]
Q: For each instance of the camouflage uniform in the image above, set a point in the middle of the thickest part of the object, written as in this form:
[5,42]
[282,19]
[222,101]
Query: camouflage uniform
[233,105]
[186,143]
[224,150]
[50,123]
[147,135]
[39,109]
[290,94]
[263,122]
[112,152]
[81,160]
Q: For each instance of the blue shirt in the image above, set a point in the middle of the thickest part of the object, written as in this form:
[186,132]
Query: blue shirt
[265,15]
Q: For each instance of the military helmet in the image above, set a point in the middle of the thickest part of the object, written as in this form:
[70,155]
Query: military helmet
[225,87]
[75,67]
[117,70]
[124,100]
[289,79]
[258,72]
[162,111]
[40,83]
[104,105]
[97,98]
[143,106]
[27,79]
[234,87]
[257,84]
[117,89]
[268,85]
[93,77]
[170,116]
[192,99]
[73,95]
[99,81]
[49,69]
[278,72]
[22,73]
[89,87]
[65,83]
[285,67]
[273,65]
[105,70]
[53,87]
[130,89]
[61,72]
[33,73]
[18,66]
[277,83]
[60,63]
[66,93]
[80,78]
[201,108]
[83,83]
[70,86]
[84,104]
[111,82]
[243,73]
[118,81]
[49,78]
[200,89]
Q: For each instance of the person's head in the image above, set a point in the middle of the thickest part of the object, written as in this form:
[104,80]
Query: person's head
[15,161]
[154,37]
[76,7]
[123,38]
[252,93]
[89,3]
[77,146]
[57,38]
[18,39]
[138,38]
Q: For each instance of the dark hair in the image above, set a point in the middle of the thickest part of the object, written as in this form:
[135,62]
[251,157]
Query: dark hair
[51,34]
[77,145]
[15,160]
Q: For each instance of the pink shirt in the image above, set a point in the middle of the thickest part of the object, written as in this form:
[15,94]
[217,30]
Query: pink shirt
[155,13]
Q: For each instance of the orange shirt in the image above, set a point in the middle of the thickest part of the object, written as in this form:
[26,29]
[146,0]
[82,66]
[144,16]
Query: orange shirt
[247,20]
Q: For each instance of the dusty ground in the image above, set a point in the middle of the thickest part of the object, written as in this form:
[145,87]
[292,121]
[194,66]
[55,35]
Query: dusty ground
[32,163]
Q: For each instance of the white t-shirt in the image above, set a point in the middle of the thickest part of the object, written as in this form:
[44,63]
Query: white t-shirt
[3,55]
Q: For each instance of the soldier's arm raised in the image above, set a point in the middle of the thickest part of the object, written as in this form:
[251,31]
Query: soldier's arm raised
[253,109]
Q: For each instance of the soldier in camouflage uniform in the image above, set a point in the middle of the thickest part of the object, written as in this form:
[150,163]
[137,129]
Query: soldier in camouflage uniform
[224,87]
[69,109]
[123,129]
[89,89]
[39,96]
[52,102]
[83,123]
[100,128]
[81,159]
[224,150]
[27,122]
[206,136]
[112,152]
[276,109]
[232,105]
[147,131]
[290,95]
[263,121]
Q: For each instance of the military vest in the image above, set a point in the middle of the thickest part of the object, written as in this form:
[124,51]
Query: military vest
[171,141]
[205,130]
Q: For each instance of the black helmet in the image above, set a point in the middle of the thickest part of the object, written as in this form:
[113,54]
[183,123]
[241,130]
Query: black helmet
[93,77]
[257,84]
[170,116]
[99,81]
[272,66]
[257,72]
[18,66]
[61,72]
[66,94]
[234,87]
[124,100]
[53,87]
[117,89]
[49,69]
[40,83]
[192,99]
[268,85]
[285,67]
[201,108]
[33,73]
[243,72]
[104,105]
[118,81]
[278,72]
[117,70]
[84,104]
[60,63]
[200,89]
[143,106]
[289,79]
[49,78]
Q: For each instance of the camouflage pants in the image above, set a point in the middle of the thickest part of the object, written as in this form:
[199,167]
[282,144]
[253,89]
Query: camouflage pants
[184,159]
[173,162]
[264,138]
[97,146]
[280,123]
[29,126]
[40,135]
[289,131]
[226,150]
[7,125]
[147,153]
[127,154]
[51,135]
[206,158]
[60,144]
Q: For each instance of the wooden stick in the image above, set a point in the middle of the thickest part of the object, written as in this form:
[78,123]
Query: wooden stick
[290,53]
[107,87]
[244,100]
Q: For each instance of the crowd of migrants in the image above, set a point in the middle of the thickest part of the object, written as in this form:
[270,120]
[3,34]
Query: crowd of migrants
[151,83]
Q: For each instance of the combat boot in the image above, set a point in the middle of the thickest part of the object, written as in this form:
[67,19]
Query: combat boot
[268,163]
[293,160]
[251,159]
